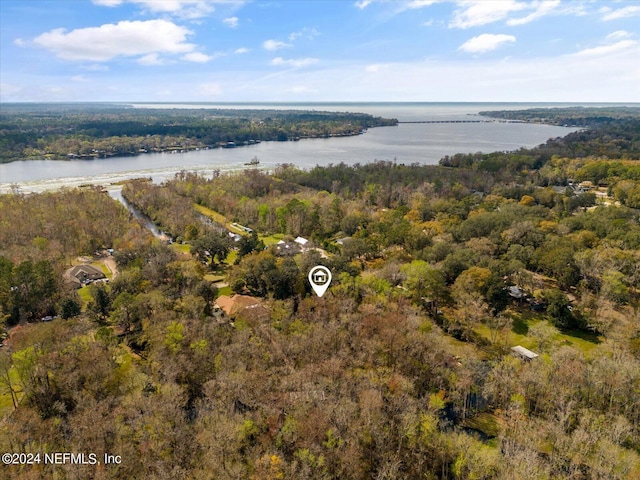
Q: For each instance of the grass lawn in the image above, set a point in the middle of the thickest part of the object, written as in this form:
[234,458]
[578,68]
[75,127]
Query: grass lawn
[225,291]
[218,218]
[6,403]
[271,239]
[181,247]
[212,214]
[231,258]
[85,296]
[102,267]
[214,277]
[524,319]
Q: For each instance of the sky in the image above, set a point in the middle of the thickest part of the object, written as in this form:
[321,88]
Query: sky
[319,51]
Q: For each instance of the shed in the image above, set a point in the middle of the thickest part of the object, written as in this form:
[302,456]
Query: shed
[301,241]
[524,353]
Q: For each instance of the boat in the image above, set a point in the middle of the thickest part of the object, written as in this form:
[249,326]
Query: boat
[254,161]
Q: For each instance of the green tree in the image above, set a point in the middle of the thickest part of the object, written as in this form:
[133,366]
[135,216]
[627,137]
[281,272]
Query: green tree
[100,303]
[211,248]
[249,243]
[69,307]
[125,311]
[426,284]
[558,308]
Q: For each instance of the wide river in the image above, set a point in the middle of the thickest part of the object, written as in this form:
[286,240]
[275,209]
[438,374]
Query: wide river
[424,143]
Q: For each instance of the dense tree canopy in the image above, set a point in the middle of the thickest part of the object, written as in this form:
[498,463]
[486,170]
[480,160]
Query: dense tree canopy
[402,370]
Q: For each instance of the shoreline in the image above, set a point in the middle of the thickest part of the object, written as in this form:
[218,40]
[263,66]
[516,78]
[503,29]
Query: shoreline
[187,149]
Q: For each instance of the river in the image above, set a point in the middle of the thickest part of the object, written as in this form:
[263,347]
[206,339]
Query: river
[424,143]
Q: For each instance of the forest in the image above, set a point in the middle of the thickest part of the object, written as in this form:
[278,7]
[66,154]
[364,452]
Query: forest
[404,369]
[85,131]
[575,116]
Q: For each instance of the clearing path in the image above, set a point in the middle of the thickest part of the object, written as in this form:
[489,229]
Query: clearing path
[111,265]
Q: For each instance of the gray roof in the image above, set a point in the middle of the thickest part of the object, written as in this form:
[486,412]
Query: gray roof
[515,292]
[86,273]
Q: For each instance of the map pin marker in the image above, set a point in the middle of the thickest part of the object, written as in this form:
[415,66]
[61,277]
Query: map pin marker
[319,278]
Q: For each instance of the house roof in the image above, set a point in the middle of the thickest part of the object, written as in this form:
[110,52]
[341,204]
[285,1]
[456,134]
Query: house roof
[287,248]
[302,241]
[84,273]
[515,292]
[238,303]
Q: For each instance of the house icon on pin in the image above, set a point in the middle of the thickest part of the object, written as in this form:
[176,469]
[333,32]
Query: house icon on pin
[320,277]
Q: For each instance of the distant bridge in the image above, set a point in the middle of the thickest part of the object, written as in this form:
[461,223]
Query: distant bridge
[451,121]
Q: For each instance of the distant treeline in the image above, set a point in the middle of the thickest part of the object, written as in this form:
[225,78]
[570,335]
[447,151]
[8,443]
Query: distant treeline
[616,138]
[570,116]
[97,131]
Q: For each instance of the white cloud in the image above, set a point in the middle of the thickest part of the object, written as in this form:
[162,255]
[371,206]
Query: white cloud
[374,68]
[210,89]
[181,8]
[485,43]
[472,13]
[618,35]
[241,50]
[415,4]
[625,12]
[95,67]
[362,4]
[231,22]
[309,33]
[548,78]
[107,3]
[126,38]
[197,57]
[273,45]
[293,62]
[20,42]
[401,5]
[151,59]
[605,50]
[542,9]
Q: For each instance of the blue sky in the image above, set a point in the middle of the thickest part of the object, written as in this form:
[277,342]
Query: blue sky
[364,50]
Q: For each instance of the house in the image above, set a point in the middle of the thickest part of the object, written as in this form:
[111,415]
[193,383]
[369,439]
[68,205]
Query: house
[285,249]
[241,305]
[85,274]
[303,242]
[570,189]
[515,292]
[523,353]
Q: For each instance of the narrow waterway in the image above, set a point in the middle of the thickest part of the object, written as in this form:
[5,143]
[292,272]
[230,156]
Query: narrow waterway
[115,192]
[145,221]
